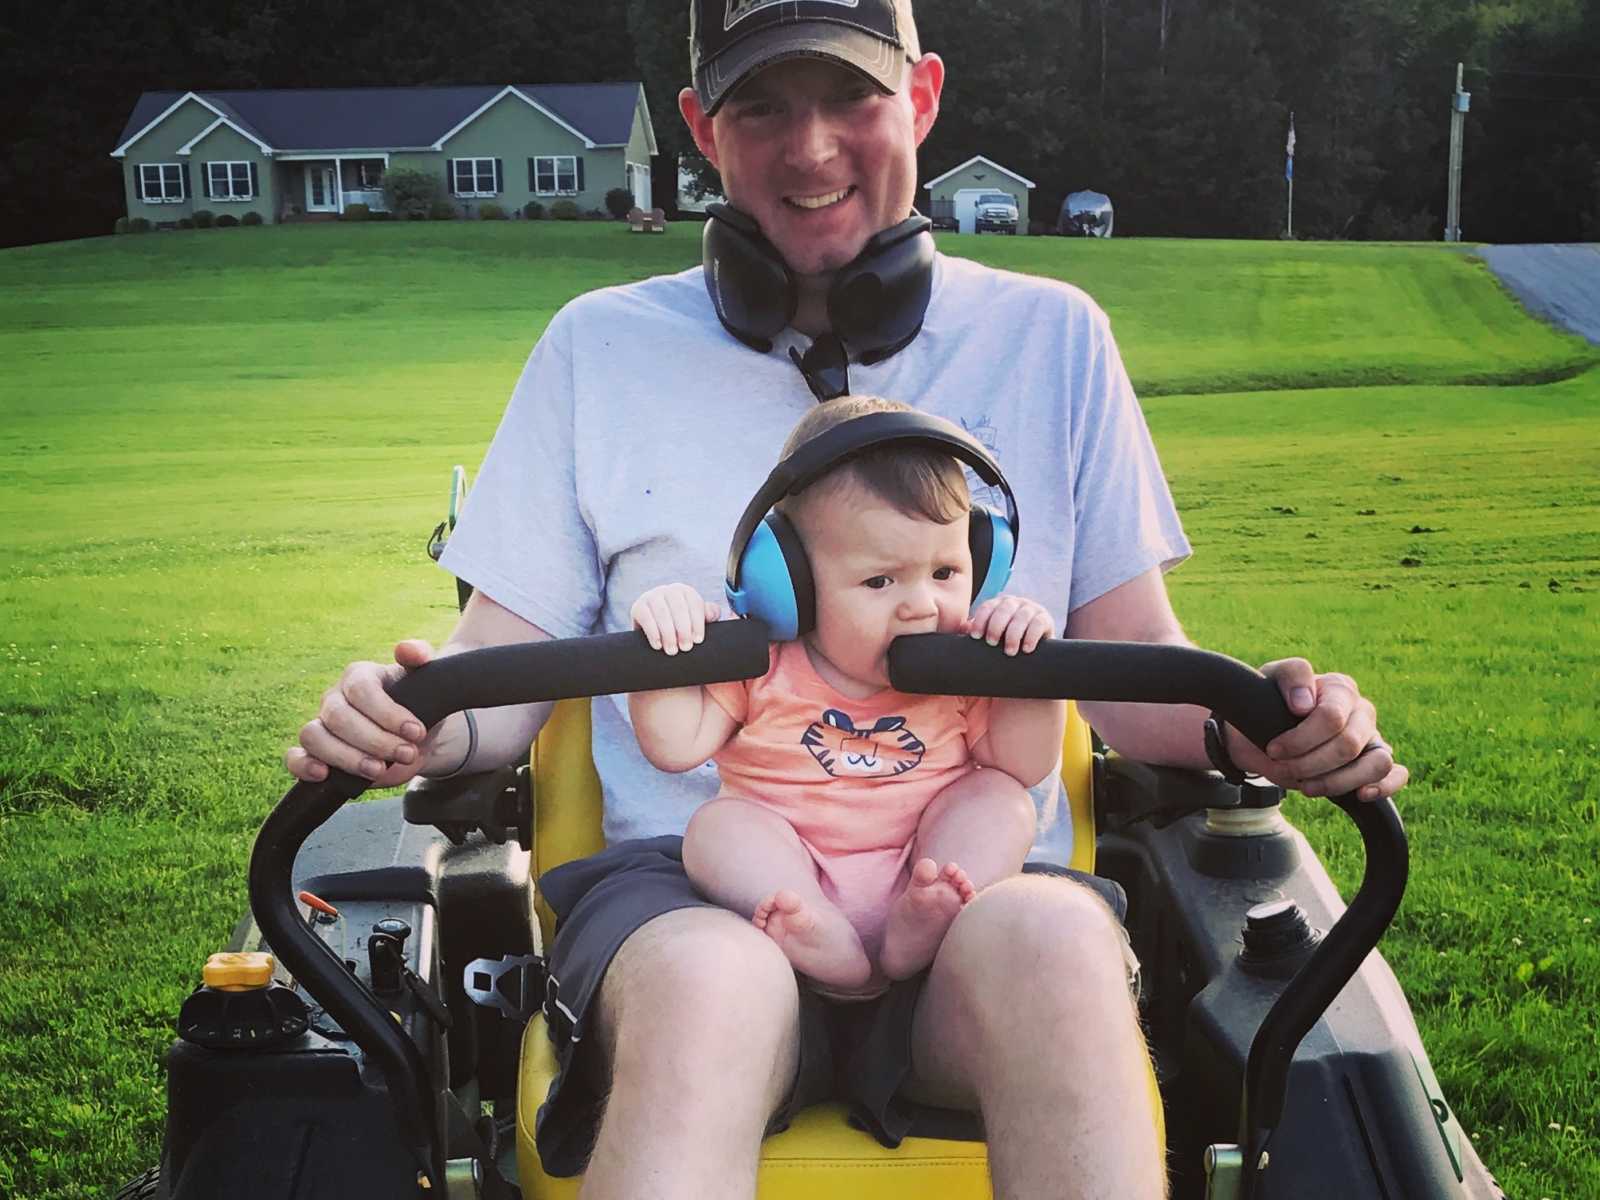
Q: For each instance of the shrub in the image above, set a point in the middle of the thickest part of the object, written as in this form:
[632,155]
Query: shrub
[227,221]
[619,201]
[250,218]
[139,225]
[490,211]
[533,210]
[412,194]
[442,210]
[185,222]
[1385,224]
[357,212]
[121,226]
[596,214]
[564,210]
[204,218]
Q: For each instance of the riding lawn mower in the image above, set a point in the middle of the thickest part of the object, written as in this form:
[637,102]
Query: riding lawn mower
[380,1023]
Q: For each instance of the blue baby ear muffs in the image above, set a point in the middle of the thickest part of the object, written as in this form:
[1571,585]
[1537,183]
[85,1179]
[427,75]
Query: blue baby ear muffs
[768,574]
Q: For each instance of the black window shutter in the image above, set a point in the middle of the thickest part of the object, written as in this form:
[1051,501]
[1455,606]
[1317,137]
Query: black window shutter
[450,175]
[205,180]
[580,172]
[532,183]
[188,186]
[255,190]
[499,177]
[138,180]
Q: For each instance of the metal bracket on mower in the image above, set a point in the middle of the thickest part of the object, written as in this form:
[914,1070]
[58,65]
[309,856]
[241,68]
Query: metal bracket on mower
[513,985]
[1178,793]
[494,803]
[1224,1166]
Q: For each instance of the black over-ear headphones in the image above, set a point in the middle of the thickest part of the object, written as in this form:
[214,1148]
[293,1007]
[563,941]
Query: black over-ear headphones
[876,303]
[769,575]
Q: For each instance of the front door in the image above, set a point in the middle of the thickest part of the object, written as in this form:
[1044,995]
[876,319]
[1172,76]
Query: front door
[639,184]
[321,193]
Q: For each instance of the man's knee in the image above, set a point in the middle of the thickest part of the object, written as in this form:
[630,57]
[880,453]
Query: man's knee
[699,982]
[1035,928]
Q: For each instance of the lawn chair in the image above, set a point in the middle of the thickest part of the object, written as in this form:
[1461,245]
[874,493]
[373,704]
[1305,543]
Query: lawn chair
[636,219]
[657,222]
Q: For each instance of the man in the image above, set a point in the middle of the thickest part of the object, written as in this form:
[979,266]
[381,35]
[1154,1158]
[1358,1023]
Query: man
[642,423]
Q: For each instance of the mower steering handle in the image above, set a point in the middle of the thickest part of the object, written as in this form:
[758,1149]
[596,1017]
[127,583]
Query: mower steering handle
[1251,703]
[521,674]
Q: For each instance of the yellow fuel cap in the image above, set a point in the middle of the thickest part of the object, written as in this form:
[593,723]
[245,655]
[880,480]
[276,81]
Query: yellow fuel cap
[235,972]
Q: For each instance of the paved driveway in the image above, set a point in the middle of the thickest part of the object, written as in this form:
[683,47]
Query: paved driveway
[1559,283]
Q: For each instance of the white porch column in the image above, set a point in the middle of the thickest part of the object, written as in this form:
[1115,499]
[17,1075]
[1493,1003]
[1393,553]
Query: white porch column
[338,182]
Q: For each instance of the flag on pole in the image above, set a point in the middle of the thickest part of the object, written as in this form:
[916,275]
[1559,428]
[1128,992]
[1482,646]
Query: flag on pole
[1288,169]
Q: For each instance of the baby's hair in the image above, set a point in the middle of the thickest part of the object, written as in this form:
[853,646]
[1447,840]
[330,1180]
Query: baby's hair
[914,480]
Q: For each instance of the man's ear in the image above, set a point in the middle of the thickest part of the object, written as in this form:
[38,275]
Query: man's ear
[699,124]
[925,85]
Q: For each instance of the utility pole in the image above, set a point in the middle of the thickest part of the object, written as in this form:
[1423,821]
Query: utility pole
[1459,102]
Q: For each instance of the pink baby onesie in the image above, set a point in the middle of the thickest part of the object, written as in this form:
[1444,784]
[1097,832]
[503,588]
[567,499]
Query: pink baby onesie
[851,776]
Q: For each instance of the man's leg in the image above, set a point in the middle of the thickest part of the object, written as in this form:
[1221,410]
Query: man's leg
[698,1019]
[1027,1017]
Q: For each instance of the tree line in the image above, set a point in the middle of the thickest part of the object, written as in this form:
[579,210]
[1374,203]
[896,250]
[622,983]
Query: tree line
[1178,109]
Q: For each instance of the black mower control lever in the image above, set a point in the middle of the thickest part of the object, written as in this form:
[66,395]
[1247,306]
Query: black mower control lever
[1156,674]
[524,674]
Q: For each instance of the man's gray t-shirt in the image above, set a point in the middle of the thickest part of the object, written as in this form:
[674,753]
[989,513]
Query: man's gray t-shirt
[640,429]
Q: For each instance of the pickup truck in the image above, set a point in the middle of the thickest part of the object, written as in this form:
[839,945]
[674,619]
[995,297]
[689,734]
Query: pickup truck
[996,212]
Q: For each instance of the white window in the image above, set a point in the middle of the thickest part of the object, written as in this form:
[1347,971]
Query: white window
[475,177]
[556,175]
[230,181]
[369,175]
[162,183]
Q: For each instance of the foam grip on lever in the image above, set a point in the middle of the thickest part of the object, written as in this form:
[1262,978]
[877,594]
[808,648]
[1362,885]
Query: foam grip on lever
[560,668]
[1077,669]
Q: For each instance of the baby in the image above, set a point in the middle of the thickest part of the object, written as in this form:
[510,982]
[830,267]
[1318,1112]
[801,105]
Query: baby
[855,821]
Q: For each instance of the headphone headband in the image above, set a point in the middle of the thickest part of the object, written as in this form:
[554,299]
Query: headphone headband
[814,458]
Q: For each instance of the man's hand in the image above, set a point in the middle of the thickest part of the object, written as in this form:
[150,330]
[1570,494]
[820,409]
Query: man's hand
[1015,620]
[673,617]
[1334,749]
[361,730]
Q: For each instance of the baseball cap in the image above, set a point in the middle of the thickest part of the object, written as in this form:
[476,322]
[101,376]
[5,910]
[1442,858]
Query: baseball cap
[730,39]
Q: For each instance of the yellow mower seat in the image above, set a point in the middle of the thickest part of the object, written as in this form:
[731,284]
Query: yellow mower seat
[820,1153]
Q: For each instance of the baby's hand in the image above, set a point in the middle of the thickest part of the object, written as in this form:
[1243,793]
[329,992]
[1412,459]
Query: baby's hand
[673,617]
[1019,622]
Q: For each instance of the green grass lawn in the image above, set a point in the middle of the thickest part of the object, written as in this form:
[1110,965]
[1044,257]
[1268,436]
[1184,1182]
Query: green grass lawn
[222,450]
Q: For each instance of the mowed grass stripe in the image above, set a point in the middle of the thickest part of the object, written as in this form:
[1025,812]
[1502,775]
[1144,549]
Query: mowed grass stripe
[223,452]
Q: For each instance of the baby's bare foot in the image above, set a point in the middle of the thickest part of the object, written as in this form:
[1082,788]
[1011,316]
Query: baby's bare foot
[819,944]
[921,915]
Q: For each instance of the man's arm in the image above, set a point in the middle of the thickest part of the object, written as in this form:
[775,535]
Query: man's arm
[1334,749]
[360,729]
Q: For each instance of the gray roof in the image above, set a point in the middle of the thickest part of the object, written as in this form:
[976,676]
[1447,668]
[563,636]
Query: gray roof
[384,118]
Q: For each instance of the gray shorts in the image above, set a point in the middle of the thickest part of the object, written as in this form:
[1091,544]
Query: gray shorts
[855,1053]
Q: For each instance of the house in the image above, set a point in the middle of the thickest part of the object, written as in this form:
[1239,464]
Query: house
[289,153]
[952,198]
